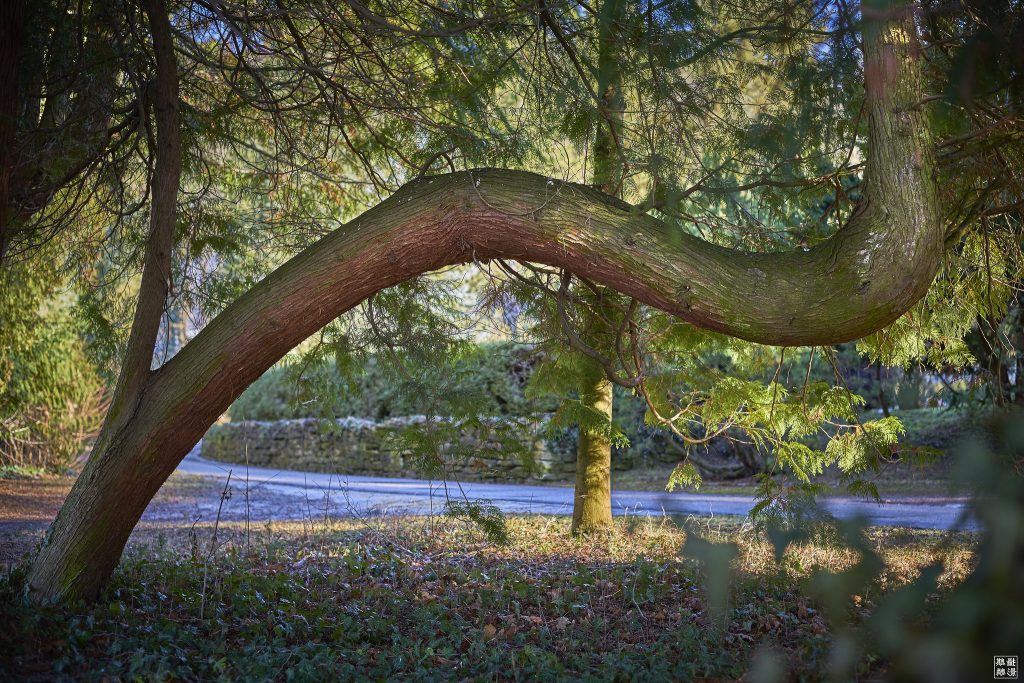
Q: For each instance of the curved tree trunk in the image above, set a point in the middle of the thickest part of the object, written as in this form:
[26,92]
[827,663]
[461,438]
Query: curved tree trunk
[867,275]
[153,288]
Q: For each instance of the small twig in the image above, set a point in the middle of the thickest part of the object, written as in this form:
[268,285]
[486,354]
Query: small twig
[309,508]
[213,545]
[327,507]
[577,342]
[775,383]
[247,536]
[474,183]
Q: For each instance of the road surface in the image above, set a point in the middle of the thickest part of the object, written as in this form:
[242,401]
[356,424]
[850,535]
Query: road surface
[312,493]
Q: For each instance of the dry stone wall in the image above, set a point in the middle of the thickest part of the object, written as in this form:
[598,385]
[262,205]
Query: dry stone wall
[360,446]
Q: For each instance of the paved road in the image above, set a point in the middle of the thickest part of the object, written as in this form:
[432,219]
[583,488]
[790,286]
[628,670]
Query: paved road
[377,495]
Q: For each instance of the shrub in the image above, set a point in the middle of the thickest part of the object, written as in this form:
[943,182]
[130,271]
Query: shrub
[51,394]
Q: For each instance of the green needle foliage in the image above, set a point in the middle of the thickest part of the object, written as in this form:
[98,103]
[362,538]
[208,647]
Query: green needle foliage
[741,123]
[51,393]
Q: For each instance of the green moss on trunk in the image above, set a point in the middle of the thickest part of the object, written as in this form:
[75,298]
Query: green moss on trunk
[592,502]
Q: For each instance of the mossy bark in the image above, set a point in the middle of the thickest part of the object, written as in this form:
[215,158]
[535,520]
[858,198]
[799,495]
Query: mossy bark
[592,500]
[105,492]
[873,270]
[592,497]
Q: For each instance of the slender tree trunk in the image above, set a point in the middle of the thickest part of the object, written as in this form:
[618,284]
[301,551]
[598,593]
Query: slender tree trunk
[882,401]
[871,272]
[110,501]
[12,30]
[156,272]
[592,500]
[592,503]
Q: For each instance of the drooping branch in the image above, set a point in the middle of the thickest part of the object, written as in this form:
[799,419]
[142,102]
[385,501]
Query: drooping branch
[868,274]
[863,278]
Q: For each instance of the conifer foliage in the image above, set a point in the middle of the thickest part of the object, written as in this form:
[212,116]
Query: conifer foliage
[769,172]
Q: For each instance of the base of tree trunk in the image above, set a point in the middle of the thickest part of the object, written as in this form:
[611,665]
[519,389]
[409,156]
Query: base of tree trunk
[84,544]
[592,503]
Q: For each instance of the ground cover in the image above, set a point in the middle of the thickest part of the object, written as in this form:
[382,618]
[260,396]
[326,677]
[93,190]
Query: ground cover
[431,598]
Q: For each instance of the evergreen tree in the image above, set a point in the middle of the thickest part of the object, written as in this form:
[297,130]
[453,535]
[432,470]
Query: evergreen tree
[253,119]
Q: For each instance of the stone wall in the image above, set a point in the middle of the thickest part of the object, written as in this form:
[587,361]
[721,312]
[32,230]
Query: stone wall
[360,446]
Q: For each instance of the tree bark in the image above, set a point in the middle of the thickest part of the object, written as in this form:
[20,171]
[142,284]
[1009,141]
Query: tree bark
[63,563]
[592,500]
[12,31]
[156,272]
[867,275]
[592,497]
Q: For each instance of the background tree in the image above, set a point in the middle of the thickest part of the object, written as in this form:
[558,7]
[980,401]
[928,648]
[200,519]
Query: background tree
[68,119]
[51,392]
